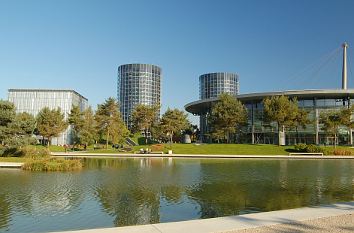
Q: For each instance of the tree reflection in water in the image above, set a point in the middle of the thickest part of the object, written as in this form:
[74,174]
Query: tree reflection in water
[119,192]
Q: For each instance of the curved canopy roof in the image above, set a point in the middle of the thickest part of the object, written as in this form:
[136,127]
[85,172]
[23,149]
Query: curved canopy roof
[201,106]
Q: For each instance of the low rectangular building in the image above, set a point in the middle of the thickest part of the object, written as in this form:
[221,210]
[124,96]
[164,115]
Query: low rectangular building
[33,100]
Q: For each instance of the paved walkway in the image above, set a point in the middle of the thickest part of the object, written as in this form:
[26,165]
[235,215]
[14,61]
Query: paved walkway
[10,165]
[111,155]
[334,224]
[249,222]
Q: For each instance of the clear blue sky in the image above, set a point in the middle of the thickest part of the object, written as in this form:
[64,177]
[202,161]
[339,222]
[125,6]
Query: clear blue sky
[79,44]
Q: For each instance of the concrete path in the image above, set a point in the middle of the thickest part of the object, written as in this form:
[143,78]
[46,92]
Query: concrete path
[334,224]
[110,155]
[239,222]
[10,165]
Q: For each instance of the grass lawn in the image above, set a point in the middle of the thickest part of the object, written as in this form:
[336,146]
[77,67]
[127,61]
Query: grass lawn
[13,159]
[227,149]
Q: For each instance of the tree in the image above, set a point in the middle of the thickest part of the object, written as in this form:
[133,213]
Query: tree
[226,116]
[7,115]
[22,128]
[301,120]
[75,119]
[346,118]
[331,121]
[50,123]
[281,110]
[109,122]
[173,121]
[88,133]
[143,117]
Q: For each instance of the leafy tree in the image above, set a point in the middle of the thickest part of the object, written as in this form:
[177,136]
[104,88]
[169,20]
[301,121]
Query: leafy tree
[109,122]
[88,133]
[301,120]
[226,115]
[50,123]
[331,121]
[347,120]
[281,110]
[173,121]
[7,115]
[143,117]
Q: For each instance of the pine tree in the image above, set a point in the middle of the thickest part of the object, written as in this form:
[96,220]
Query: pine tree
[226,116]
[50,123]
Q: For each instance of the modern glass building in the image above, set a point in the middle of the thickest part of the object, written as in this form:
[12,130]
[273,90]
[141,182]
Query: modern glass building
[213,84]
[33,100]
[138,84]
[260,131]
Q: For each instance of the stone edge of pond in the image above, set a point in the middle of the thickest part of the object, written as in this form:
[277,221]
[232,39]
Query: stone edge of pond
[11,164]
[109,155]
[238,222]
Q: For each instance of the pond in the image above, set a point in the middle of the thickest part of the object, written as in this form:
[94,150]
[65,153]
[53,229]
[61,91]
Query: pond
[120,192]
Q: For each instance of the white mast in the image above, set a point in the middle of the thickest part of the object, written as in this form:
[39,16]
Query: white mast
[344,70]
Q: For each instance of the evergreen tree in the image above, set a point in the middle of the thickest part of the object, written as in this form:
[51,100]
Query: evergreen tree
[143,117]
[88,134]
[173,121]
[22,129]
[7,115]
[109,122]
[50,123]
[226,116]
[76,121]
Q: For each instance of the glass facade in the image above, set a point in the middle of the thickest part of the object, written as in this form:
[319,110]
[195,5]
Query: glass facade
[259,131]
[33,100]
[213,84]
[138,84]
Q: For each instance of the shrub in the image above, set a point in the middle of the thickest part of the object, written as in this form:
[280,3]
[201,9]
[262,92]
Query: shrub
[53,165]
[301,147]
[341,152]
[27,151]
[10,152]
[35,152]
[157,147]
[314,149]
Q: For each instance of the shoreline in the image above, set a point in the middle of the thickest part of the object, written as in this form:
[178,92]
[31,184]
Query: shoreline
[206,156]
[247,222]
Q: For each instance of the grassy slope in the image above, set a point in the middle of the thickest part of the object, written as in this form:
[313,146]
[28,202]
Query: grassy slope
[240,149]
[13,159]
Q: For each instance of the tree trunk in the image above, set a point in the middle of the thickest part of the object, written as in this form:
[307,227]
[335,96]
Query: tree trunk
[335,140]
[107,139]
[278,134]
[171,135]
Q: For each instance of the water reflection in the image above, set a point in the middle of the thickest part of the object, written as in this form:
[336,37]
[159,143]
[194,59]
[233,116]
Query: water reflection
[119,192]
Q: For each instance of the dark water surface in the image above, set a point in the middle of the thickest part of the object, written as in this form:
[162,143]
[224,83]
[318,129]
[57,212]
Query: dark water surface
[119,192]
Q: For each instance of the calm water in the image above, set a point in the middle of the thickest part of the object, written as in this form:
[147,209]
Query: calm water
[120,192]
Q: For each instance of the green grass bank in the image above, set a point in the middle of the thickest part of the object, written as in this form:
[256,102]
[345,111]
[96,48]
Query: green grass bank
[211,149]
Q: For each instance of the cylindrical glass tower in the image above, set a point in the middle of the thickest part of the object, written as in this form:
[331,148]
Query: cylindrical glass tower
[213,84]
[138,84]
